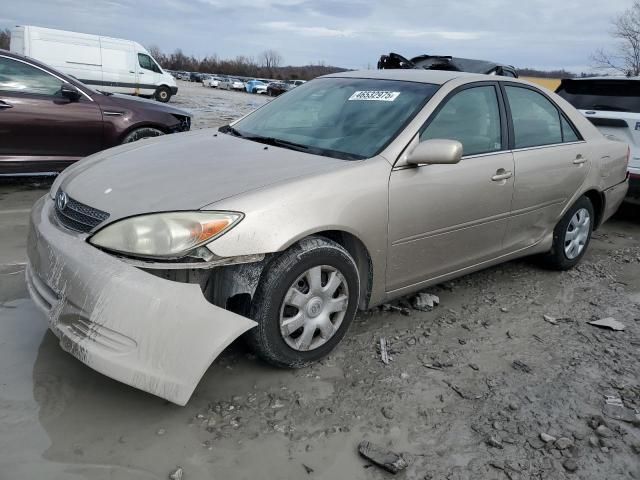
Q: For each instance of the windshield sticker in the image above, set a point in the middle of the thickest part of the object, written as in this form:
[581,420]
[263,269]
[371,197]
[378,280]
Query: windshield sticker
[375,95]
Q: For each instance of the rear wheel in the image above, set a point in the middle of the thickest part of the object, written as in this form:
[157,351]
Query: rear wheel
[571,236]
[163,94]
[140,133]
[304,303]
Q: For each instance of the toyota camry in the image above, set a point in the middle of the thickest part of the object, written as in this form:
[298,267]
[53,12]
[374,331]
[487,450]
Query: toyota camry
[353,189]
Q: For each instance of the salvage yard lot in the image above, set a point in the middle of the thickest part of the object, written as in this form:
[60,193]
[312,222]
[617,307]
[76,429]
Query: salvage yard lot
[470,387]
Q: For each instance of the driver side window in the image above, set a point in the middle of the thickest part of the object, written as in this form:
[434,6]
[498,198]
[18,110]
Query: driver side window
[147,63]
[472,117]
[19,77]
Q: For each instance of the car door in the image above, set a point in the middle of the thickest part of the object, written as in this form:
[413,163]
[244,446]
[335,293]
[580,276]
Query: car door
[37,123]
[551,161]
[148,72]
[443,218]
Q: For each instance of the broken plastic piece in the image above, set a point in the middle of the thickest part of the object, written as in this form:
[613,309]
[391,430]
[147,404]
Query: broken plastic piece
[384,353]
[609,322]
[390,461]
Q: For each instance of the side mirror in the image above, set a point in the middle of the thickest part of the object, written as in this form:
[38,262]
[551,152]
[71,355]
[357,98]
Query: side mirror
[436,151]
[70,92]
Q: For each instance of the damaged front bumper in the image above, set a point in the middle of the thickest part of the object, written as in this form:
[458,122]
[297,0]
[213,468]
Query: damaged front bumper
[154,334]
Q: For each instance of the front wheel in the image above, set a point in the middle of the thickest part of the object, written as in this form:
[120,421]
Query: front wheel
[304,303]
[140,133]
[163,94]
[571,236]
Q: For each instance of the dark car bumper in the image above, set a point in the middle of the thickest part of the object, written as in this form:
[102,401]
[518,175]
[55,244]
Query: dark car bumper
[184,124]
[634,188]
[174,90]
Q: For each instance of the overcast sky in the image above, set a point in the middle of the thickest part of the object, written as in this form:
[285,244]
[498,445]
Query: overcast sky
[348,33]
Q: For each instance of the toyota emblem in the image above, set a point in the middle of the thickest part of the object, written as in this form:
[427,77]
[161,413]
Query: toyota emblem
[61,200]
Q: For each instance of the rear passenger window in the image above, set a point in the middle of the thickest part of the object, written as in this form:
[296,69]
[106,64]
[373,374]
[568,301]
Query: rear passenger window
[536,121]
[568,132]
[472,117]
[19,77]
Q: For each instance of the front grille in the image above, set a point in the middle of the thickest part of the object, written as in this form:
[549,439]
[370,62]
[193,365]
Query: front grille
[77,216]
[183,126]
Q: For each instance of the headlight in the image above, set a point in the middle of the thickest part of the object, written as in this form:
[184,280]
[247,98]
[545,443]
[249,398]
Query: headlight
[166,235]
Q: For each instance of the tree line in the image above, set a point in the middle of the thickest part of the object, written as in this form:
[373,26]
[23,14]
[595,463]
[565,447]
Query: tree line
[266,65]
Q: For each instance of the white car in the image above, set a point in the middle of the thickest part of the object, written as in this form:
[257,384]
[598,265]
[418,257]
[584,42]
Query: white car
[231,84]
[613,105]
[213,82]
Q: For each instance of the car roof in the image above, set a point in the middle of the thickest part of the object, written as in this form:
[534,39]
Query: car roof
[437,77]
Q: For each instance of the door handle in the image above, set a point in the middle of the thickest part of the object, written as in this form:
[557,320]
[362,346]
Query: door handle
[5,105]
[132,71]
[579,160]
[502,174]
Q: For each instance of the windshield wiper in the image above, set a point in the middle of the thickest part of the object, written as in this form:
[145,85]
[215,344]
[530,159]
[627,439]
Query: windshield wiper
[276,142]
[607,107]
[231,130]
[108,94]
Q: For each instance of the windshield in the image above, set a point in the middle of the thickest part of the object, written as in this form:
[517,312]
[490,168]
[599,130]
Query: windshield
[611,95]
[349,118]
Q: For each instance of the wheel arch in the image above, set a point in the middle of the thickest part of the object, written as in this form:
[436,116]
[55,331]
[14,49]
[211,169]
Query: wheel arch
[137,126]
[598,201]
[358,250]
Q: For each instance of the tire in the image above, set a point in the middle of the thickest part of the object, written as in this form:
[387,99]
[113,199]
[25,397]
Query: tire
[140,133]
[254,91]
[295,269]
[568,247]
[163,94]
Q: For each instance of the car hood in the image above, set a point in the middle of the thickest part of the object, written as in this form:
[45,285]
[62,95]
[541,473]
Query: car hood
[184,171]
[116,100]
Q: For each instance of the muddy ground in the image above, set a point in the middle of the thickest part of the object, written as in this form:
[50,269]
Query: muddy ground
[470,387]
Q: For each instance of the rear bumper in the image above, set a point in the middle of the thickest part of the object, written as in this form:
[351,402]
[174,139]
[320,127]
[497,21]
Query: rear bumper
[174,90]
[613,198]
[634,187]
[153,334]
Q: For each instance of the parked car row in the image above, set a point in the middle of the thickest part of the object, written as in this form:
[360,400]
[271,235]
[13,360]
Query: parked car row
[258,86]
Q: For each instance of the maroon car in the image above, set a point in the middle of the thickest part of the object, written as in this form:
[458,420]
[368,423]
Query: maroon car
[49,120]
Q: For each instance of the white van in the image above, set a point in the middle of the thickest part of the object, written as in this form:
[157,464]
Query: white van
[109,64]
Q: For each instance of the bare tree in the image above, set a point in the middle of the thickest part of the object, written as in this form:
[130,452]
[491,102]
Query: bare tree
[155,52]
[5,39]
[626,29]
[270,59]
